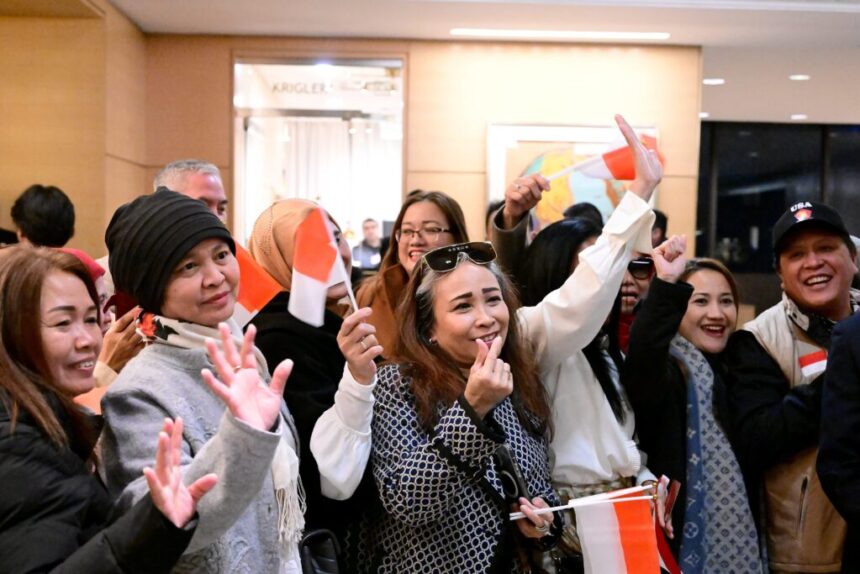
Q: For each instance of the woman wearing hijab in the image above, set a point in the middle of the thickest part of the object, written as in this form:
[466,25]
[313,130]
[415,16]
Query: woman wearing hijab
[331,385]
[176,259]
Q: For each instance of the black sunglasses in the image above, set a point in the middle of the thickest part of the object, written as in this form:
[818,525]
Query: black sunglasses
[446,258]
[641,268]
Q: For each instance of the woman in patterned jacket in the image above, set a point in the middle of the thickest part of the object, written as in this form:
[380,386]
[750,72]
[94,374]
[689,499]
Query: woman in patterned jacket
[458,415]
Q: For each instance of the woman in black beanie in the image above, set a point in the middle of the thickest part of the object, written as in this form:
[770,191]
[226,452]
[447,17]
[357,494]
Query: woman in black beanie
[176,260]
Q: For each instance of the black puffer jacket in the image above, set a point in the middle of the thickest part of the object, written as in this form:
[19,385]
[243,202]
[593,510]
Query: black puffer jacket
[54,514]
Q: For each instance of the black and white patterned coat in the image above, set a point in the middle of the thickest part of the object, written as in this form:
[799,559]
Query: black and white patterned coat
[444,507]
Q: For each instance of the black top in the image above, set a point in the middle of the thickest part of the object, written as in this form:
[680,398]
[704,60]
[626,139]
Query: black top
[839,454]
[309,392]
[56,516]
[772,421]
[657,388]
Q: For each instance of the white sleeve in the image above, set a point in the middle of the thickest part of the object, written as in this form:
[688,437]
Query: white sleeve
[571,316]
[340,442]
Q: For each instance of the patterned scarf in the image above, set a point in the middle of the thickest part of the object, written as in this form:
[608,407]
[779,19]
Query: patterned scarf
[719,533]
[289,491]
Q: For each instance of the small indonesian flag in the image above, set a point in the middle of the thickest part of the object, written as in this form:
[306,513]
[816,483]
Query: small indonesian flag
[316,266]
[256,287]
[617,163]
[813,364]
[618,538]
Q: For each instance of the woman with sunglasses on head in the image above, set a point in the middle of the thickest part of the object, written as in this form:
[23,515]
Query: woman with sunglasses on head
[594,449]
[427,220]
[467,381]
[457,417]
[676,381]
[56,515]
[330,394]
[176,259]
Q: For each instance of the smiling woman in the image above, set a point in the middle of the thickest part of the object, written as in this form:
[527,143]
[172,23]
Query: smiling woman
[461,408]
[56,513]
[676,382]
[176,259]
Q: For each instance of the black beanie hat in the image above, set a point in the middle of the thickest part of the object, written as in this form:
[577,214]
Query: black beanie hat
[148,237]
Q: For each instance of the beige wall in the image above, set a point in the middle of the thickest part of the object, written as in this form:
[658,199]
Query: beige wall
[53,125]
[97,107]
[125,113]
[74,116]
[453,91]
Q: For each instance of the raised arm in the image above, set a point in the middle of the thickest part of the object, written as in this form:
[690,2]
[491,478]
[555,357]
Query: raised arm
[644,374]
[571,316]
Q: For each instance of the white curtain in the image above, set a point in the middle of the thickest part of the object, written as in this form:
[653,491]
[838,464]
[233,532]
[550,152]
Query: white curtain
[353,168]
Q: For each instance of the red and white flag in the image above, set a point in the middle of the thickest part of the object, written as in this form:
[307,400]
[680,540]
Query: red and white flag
[618,537]
[256,288]
[316,267]
[617,163]
[813,364]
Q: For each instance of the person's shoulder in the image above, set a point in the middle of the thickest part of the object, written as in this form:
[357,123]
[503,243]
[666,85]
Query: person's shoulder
[850,325]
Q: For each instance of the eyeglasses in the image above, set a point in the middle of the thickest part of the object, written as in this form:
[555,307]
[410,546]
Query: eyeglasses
[430,233]
[641,268]
[446,258]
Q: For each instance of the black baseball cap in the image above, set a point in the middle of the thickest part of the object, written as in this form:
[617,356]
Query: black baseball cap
[805,214]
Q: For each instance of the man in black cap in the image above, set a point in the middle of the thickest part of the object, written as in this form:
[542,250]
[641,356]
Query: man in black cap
[777,363]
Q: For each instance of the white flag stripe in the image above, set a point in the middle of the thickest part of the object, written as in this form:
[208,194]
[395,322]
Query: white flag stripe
[593,499]
[598,530]
[242,315]
[814,369]
[307,299]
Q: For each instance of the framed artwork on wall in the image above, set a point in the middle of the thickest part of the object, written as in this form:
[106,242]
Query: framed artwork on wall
[515,150]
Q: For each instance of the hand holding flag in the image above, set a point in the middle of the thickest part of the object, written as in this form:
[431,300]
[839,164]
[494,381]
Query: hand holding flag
[358,344]
[639,160]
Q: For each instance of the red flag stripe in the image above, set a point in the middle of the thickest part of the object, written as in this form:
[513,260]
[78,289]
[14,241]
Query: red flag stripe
[314,253]
[811,358]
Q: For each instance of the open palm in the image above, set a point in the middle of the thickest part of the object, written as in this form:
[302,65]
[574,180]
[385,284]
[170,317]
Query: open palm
[239,384]
[177,502]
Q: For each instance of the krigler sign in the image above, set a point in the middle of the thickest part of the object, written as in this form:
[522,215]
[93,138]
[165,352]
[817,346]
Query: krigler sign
[373,86]
[301,88]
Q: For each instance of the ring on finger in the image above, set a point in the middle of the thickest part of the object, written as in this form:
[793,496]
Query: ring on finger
[544,528]
[362,343]
[237,368]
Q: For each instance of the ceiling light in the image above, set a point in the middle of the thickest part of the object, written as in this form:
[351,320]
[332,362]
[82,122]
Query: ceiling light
[799,77]
[559,34]
[713,81]
[798,117]
[703,115]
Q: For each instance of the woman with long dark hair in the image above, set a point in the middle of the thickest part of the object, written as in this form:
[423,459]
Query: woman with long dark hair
[676,382]
[458,415]
[593,449]
[55,513]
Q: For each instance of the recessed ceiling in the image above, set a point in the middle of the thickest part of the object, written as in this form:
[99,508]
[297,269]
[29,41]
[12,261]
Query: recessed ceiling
[709,23]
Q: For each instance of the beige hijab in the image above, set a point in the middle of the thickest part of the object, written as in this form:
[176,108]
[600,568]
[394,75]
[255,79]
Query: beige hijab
[273,240]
